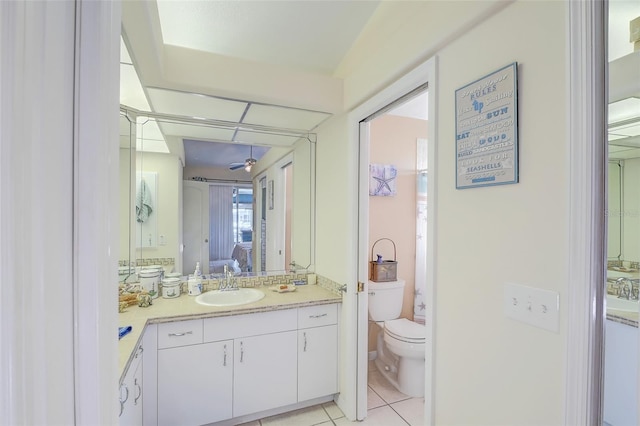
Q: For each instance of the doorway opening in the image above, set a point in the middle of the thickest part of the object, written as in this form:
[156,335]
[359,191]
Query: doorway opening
[387,102]
[397,236]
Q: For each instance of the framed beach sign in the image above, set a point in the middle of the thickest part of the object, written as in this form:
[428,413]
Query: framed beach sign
[486,118]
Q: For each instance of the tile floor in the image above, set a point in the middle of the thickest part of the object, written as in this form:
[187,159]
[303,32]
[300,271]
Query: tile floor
[386,407]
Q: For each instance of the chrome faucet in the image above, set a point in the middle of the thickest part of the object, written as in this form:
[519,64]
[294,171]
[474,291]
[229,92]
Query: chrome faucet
[627,290]
[294,267]
[229,282]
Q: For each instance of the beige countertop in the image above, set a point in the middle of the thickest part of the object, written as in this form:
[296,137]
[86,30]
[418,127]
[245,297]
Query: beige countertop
[623,317]
[185,308]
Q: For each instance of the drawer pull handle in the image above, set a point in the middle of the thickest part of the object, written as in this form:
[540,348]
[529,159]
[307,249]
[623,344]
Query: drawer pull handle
[318,316]
[241,352]
[126,397]
[305,341]
[139,388]
[224,359]
[126,393]
[184,333]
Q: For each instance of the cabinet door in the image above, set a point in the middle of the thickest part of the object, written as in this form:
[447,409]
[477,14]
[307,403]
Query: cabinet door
[317,362]
[194,383]
[131,393]
[265,372]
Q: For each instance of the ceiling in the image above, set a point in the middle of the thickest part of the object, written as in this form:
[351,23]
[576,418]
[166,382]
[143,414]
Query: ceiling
[174,54]
[624,82]
[231,31]
[311,36]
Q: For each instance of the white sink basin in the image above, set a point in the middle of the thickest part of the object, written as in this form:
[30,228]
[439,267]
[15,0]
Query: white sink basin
[230,297]
[617,274]
[624,305]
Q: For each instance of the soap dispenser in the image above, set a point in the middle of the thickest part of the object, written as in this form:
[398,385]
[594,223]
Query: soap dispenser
[194,284]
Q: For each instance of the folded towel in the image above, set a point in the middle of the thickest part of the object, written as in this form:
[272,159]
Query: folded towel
[123,331]
[144,205]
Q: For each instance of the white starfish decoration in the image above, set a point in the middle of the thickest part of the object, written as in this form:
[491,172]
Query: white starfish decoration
[383,182]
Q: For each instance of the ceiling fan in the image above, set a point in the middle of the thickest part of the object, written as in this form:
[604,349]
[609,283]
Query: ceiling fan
[248,163]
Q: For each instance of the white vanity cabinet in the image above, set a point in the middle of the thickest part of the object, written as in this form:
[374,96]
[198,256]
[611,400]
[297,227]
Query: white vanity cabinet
[265,372]
[317,351]
[131,392]
[239,366]
[194,378]
[194,384]
[265,361]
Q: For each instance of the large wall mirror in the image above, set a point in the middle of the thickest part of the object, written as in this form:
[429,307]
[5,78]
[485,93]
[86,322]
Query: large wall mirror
[623,210]
[188,195]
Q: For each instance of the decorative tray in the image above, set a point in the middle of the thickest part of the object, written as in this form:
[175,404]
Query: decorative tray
[283,288]
[623,269]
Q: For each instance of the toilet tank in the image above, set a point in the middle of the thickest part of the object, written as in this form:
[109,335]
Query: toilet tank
[385,300]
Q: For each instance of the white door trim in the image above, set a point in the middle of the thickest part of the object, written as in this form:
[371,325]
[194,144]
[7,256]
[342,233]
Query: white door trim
[95,213]
[587,243]
[424,73]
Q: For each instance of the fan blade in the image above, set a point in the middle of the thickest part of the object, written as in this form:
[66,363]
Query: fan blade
[236,166]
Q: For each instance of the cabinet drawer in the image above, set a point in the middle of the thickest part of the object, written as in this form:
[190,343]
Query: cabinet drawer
[316,316]
[236,326]
[179,333]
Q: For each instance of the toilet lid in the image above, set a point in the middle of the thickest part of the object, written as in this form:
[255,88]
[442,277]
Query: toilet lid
[406,330]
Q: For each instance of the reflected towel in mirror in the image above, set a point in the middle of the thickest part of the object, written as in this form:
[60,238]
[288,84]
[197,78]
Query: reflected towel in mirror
[144,205]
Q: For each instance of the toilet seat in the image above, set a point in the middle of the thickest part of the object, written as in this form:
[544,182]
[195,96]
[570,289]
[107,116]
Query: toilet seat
[405,331]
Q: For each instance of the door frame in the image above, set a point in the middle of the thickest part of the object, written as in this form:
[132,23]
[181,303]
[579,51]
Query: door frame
[586,111]
[423,74]
[202,241]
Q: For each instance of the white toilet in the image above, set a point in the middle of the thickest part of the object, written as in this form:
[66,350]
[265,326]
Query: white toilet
[401,343]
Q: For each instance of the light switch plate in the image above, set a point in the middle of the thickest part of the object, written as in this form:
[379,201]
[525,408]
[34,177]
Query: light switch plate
[534,306]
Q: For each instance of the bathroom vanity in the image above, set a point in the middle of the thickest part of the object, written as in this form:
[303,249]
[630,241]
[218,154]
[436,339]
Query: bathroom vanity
[189,364]
[621,350]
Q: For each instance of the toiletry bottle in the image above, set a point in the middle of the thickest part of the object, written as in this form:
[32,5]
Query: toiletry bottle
[197,271]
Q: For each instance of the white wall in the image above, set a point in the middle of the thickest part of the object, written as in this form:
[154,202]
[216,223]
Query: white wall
[58,226]
[488,369]
[168,208]
[501,371]
[631,212]
[127,189]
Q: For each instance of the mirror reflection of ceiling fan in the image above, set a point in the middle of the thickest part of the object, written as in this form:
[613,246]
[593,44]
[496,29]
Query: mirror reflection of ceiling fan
[248,163]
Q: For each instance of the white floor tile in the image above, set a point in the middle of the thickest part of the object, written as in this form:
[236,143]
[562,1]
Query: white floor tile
[373,399]
[305,417]
[412,410]
[381,416]
[385,389]
[333,410]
